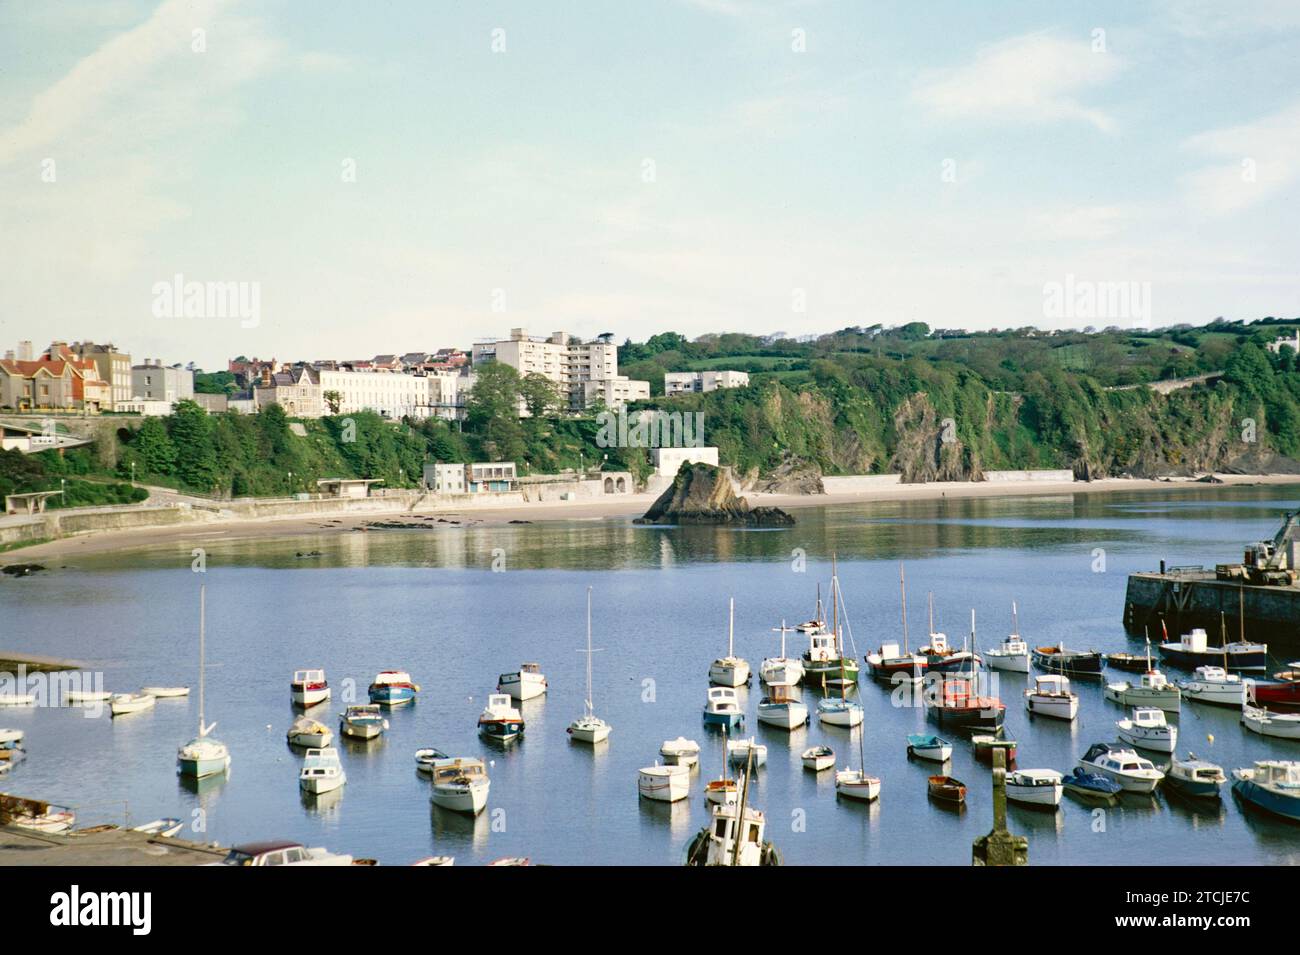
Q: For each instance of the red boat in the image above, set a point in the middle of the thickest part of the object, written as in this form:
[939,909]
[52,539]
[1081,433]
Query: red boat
[1284,691]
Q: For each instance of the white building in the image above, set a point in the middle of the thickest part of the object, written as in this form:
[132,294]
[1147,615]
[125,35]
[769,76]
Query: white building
[1275,346]
[614,392]
[667,461]
[445,478]
[154,381]
[387,394]
[573,366]
[688,382]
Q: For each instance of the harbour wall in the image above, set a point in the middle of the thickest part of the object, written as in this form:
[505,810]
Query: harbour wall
[1187,600]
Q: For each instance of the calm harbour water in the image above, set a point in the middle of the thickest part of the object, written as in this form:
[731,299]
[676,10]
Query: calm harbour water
[428,602]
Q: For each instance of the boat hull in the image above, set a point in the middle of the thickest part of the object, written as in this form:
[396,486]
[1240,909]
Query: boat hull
[846,717]
[863,791]
[831,672]
[781,672]
[1128,784]
[1053,707]
[935,754]
[391,695]
[787,716]
[1070,663]
[1278,694]
[1285,806]
[589,733]
[501,730]
[818,763]
[319,785]
[1197,789]
[664,787]
[304,696]
[467,799]
[522,686]
[729,674]
[1272,724]
[1254,661]
[1034,795]
[1156,742]
[361,730]
[1007,662]
[729,720]
[201,768]
[981,719]
[1167,700]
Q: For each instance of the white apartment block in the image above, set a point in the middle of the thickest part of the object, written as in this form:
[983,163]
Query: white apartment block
[572,366]
[689,382]
[387,394]
[614,392]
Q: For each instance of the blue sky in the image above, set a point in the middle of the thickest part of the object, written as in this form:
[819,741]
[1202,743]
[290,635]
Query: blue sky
[935,161]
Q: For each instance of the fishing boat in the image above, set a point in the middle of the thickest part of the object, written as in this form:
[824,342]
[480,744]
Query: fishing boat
[946,789]
[122,704]
[742,752]
[1093,787]
[308,688]
[500,720]
[855,783]
[589,728]
[1152,689]
[780,709]
[824,662]
[664,783]
[959,703]
[1283,690]
[722,708]
[166,828]
[1195,777]
[1193,650]
[1035,787]
[166,692]
[426,757]
[924,746]
[782,670]
[1132,662]
[362,721]
[460,784]
[1012,654]
[526,683]
[322,771]
[393,688]
[35,814]
[889,663]
[985,743]
[1272,785]
[1148,729]
[310,733]
[680,752]
[1052,696]
[839,711]
[730,670]
[1214,685]
[734,836]
[1058,659]
[818,758]
[203,756]
[1266,723]
[1132,772]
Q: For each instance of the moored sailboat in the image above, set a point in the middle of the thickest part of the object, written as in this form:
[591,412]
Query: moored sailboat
[730,670]
[1012,654]
[782,670]
[589,728]
[959,703]
[202,756]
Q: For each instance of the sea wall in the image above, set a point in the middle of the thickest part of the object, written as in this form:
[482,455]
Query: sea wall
[1187,600]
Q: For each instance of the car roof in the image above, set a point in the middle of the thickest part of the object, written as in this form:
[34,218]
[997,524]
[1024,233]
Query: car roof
[258,848]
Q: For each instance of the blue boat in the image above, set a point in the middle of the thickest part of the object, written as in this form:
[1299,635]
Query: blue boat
[1195,777]
[1273,785]
[723,708]
[393,688]
[925,746]
[1091,785]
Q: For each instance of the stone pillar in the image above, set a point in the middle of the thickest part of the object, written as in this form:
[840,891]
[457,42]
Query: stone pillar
[1000,847]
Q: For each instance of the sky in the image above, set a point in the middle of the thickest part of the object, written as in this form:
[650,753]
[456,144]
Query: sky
[398,176]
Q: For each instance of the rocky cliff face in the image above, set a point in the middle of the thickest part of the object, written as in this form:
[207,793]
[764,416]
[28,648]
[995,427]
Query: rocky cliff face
[702,494]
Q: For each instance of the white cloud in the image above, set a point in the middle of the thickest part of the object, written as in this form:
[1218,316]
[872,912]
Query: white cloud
[1032,78]
[1254,161]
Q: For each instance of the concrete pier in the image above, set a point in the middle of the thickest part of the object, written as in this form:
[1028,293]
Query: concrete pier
[1194,597]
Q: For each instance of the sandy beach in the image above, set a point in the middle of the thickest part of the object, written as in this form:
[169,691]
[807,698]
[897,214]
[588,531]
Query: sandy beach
[614,508]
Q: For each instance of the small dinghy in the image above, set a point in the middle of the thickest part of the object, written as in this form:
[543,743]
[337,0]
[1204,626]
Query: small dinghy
[435,860]
[310,733]
[167,828]
[1093,787]
[166,692]
[1035,787]
[1148,729]
[425,758]
[985,744]
[924,746]
[322,771]
[35,815]
[121,704]
[77,697]
[739,752]
[946,789]
[856,784]
[818,758]
[664,783]
[780,709]
[1195,777]
[10,739]
[837,711]
[680,752]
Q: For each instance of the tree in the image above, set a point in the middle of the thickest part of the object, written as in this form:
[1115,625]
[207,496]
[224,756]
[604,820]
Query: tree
[196,460]
[492,412]
[333,400]
[540,394]
[157,453]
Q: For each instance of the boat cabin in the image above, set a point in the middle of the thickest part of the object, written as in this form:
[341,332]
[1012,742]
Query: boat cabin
[1278,772]
[1052,685]
[458,770]
[1149,717]
[722,699]
[361,711]
[1196,641]
[938,645]
[309,679]
[267,853]
[821,646]
[722,836]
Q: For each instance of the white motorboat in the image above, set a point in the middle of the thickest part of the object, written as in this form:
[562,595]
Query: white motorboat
[1051,696]
[120,704]
[664,783]
[500,720]
[818,758]
[1151,690]
[589,728]
[11,738]
[1123,766]
[526,683]
[1214,685]
[362,721]
[1148,729]
[730,670]
[782,670]
[1195,777]
[1012,654]
[322,771]
[746,752]
[166,692]
[1267,723]
[308,688]
[722,708]
[838,711]
[460,785]
[281,853]
[202,756]
[1035,787]
[780,709]
[680,752]
[309,733]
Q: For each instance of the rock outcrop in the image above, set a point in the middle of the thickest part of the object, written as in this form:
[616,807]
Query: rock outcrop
[702,494]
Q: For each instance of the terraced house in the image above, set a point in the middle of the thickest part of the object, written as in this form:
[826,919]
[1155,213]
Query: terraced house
[56,381]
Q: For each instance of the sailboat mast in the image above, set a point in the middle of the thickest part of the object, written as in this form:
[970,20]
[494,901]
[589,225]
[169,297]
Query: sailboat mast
[835,606]
[1015,620]
[902,586]
[731,628]
[591,706]
[930,597]
[203,591]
